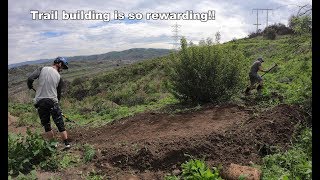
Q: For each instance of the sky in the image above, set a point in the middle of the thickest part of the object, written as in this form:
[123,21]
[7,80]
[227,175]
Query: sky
[33,39]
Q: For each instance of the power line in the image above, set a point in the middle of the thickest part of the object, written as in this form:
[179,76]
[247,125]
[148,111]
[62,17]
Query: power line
[259,9]
[176,36]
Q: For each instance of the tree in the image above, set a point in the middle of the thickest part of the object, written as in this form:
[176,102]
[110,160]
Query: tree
[209,41]
[202,42]
[218,37]
[301,24]
[191,43]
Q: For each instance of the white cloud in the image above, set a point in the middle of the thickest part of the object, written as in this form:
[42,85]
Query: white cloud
[38,39]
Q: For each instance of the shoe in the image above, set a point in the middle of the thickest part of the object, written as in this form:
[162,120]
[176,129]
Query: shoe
[66,144]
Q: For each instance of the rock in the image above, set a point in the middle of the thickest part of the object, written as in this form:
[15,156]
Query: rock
[234,171]
[176,172]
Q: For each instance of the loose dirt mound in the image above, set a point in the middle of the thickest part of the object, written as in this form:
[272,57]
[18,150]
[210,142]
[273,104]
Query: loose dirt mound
[152,144]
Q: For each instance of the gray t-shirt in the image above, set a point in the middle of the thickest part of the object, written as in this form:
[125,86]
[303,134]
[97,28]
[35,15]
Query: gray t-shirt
[49,83]
[255,68]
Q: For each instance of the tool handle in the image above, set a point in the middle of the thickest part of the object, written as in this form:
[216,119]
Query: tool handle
[66,117]
[269,70]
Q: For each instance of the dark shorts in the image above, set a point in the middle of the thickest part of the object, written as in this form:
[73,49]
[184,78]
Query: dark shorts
[46,108]
[254,78]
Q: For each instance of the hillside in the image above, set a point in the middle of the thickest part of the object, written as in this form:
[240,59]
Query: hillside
[129,55]
[129,123]
[81,65]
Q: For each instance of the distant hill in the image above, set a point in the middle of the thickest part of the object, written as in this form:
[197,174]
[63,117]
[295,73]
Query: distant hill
[130,54]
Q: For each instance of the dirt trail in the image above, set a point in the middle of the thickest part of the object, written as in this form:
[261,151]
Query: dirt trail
[150,145]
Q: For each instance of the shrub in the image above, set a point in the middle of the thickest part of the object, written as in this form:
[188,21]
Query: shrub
[255,34]
[206,74]
[269,33]
[280,29]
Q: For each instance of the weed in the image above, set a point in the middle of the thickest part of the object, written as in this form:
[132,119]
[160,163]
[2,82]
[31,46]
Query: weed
[24,152]
[68,160]
[89,153]
[294,163]
[197,170]
[93,175]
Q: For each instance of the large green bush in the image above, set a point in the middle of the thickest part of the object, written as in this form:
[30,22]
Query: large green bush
[206,73]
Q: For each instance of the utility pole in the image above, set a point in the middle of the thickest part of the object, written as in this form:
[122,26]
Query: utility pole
[259,9]
[175,36]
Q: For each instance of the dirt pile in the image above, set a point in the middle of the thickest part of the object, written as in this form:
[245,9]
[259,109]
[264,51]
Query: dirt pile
[152,144]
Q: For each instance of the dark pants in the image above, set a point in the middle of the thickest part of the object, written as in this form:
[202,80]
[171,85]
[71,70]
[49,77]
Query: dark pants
[46,108]
[254,78]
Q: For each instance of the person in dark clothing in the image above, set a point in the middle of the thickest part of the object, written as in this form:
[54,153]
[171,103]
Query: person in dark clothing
[255,77]
[47,96]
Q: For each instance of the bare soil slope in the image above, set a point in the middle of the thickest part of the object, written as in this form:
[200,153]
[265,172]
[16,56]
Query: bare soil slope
[150,145]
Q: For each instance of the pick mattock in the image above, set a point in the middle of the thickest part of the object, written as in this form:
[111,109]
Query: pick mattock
[269,70]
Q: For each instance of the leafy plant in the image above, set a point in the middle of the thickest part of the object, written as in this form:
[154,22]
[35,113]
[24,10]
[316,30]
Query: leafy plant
[24,152]
[51,164]
[196,169]
[30,176]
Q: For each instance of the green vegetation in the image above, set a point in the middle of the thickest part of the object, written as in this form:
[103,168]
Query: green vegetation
[24,152]
[296,163]
[196,170]
[94,175]
[207,73]
[26,113]
[89,152]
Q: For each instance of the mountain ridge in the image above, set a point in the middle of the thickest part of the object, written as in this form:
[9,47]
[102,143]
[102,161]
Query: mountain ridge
[133,53]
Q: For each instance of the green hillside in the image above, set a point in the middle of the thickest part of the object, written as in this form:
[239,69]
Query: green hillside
[113,92]
[81,66]
[142,85]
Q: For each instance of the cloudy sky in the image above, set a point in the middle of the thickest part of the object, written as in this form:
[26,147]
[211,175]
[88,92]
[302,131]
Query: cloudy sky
[45,39]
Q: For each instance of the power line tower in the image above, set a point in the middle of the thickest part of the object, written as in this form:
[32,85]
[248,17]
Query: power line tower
[176,36]
[258,16]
